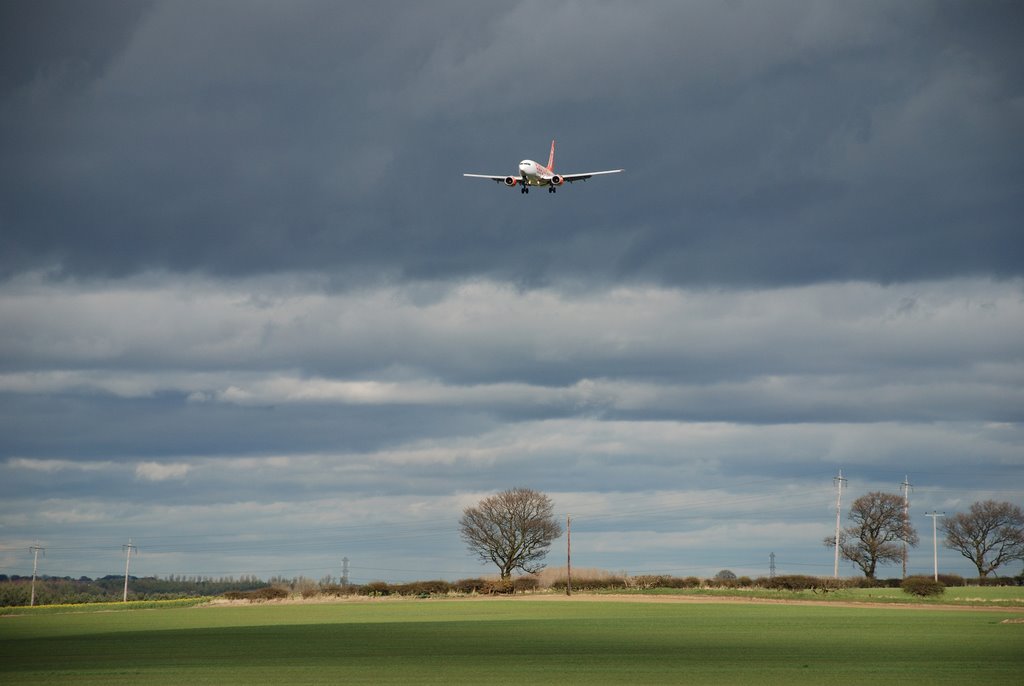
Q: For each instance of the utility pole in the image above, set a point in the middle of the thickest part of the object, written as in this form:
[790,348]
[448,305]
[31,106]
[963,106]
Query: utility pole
[35,566]
[568,555]
[127,563]
[839,482]
[771,566]
[906,517]
[344,572]
[935,542]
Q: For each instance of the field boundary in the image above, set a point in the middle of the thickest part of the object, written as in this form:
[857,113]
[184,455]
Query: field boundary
[584,596]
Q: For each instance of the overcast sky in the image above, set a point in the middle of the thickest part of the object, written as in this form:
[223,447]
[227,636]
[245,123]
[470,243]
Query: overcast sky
[253,317]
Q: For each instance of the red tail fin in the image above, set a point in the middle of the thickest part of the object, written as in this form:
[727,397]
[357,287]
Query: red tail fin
[551,157]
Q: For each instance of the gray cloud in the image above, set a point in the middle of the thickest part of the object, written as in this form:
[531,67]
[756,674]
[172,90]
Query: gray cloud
[160,369]
[763,145]
[244,282]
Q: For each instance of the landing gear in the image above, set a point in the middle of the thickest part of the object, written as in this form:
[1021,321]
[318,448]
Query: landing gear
[524,189]
[552,189]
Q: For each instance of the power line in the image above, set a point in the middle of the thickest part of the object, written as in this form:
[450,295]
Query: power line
[935,542]
[35,565]
[839,482]
[568,555]
[128,560]
[906,486]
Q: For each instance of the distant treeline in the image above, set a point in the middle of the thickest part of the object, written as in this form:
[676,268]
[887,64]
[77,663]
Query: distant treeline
[306,588]
[785,582]
[17,590]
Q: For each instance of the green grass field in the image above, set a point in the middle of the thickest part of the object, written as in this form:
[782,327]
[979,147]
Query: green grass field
[514,641]
[967,596]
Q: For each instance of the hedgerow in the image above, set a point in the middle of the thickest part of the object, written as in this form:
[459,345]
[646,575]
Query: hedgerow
[591,584]
[260,594]
[922,586]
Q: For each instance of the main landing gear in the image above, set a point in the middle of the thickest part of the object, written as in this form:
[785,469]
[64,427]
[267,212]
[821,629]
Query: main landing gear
[524,189]
[552,189]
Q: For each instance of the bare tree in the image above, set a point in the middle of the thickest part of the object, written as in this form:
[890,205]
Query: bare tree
[990,535]
[879,526]
[512,529]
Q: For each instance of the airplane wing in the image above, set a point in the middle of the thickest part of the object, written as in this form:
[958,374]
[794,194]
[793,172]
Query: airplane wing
[499,179]
[586,175]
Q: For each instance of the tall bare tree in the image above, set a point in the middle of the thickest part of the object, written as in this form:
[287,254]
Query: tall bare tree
[512,529]
[879,527]
[990,535]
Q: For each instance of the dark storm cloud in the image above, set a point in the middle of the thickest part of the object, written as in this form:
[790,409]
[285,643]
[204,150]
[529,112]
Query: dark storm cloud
[69,42]
[763,144]
[243,283]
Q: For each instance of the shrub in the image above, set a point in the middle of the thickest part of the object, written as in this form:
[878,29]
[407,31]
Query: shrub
[335,590]
[646,581]
[951,580]
[307,588]
[435,587]
[591,584]
[500,587]
[525,583]
[469,585]
[991,581]
[865,582]
[375,588]
[422,588]
[802,582]
[270,593]
[267,593]
[792,582]
[922,586]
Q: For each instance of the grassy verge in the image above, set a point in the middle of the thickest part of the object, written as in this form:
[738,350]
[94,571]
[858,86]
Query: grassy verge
[968,596]
[103,607]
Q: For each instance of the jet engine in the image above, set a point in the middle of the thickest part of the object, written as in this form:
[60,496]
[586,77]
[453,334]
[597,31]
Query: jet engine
[511,181]
[557,180]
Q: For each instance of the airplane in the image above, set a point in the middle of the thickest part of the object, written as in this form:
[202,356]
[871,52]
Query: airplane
[535,174]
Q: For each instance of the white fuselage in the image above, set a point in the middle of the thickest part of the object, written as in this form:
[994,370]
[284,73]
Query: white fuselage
[534,174]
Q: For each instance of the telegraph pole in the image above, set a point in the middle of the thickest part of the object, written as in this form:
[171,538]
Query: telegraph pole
[344,572]
[906,486]
[935,542]
[35,566]
[839,482]
[127,563]
[568,555]
[771,566]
